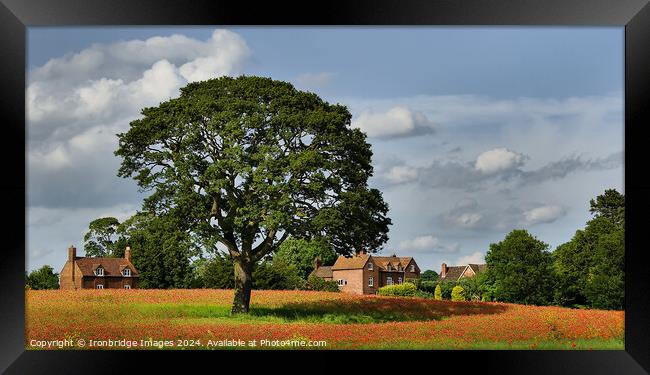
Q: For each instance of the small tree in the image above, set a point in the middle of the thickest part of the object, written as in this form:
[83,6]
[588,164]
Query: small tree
[301,253]
[43,278]
[438,293]
[100,240]
[429,275]
[316,283]
[458,293]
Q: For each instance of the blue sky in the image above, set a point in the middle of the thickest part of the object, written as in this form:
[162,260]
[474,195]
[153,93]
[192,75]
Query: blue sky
[475,131]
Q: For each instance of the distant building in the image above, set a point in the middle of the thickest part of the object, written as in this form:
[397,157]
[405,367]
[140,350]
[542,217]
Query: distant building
[365,273]
[98,273]
[455,273]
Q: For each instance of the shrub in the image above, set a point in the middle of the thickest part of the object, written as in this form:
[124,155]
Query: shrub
[316,283]
[458,293]
[422,294]
[446,288]
[438,293]
[277,275]
[400,290]
[428,286]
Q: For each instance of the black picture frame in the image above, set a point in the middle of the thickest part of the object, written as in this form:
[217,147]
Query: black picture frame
[634,15]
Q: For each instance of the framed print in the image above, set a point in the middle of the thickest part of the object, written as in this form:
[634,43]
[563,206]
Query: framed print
[439,180]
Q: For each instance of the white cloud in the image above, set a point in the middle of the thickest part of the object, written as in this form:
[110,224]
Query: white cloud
[315,79]
[78,102]
[400,174]
[396,122]
[498,159]
[544,214]
[428,243]
[474,258]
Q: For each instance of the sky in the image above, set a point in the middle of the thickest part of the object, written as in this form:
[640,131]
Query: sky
[475,131]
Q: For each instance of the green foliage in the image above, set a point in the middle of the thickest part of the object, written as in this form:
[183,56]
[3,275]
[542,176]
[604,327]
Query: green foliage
[521,269]
[422,294]
[316,283]
[429,275]
[248,161]
[458,293]
[301,253]
[399,290]
[610,205]
[42,278]
[160,250]
[473,286]
[427,286]
[217,273]
[445,288]
[101,238]
[591,267]
[438,293]
[277,274]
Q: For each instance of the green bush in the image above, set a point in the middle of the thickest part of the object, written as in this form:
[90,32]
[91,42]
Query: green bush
[316,283]
[458,293]
[446,287]
[400,290]
[422,294]
[438,293]
[428,286]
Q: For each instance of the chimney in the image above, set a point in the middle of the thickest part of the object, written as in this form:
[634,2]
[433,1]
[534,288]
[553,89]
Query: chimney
[72,253]
[127,253]
[361,252]
[443,270]
[317,263]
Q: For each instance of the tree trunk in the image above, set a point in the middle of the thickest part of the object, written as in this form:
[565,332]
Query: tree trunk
[243,285]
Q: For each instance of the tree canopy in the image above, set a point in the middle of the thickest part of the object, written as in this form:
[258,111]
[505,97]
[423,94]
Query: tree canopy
[301,253]
[246,162]
[43,278]
[100,240]
[520,268]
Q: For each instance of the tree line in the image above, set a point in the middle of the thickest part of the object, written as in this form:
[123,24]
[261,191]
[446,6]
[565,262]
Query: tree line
[587,271]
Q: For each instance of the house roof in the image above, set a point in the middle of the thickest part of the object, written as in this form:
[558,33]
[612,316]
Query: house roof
[111,266]
[394,261]
[350,263]
[323,271]
[455,272]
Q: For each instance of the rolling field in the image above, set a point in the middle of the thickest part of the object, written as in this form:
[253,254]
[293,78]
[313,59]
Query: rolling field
[200,319]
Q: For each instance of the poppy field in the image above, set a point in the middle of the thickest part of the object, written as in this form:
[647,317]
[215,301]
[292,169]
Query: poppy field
[200,319]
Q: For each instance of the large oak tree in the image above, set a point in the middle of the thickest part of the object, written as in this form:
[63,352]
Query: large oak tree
[247,162]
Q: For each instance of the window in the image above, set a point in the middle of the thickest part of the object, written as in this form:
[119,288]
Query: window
[99,286]
[127,286]
[412,268]
[399,280]
[342,282]
[99,271]
[371,281]
[389,280]
[370,266]
[126,272]
[388,268]
[399,268]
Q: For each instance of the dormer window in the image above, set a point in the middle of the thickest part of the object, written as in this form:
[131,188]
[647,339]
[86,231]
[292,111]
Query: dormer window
[126,272]
[99,271]
[370,266]
[399,268]
[388,268]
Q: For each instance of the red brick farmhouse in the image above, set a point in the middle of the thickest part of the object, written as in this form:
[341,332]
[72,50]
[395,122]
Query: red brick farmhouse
[98,273]
[365,273]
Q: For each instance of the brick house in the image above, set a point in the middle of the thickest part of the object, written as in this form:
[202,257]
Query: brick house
[365,273]
[455,273]
[98,273]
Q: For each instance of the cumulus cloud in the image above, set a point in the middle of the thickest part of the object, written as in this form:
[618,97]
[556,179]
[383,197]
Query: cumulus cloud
[543,214]
[396,122]
[428,243]
[499,166]
[498,159]
[78,102]
[315,79]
